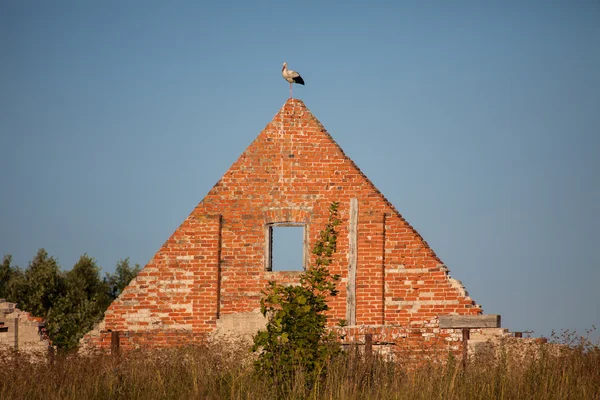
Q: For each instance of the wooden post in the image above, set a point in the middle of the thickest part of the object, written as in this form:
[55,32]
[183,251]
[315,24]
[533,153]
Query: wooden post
[16,333]
[352,261]
[114,343]
[465,346]
[50,355]
[368,345]
[219,272]
[383,272]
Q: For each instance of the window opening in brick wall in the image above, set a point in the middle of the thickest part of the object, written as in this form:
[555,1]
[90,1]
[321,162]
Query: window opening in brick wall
[286,247]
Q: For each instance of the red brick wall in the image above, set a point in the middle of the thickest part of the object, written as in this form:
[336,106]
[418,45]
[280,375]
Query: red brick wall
[214,263]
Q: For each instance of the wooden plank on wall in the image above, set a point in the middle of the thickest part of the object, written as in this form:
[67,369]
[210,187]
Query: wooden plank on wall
[470,321]
[383,273]
[219,271]
[352,261]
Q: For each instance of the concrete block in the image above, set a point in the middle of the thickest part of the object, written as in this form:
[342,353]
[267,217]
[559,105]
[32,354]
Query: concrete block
[469,321]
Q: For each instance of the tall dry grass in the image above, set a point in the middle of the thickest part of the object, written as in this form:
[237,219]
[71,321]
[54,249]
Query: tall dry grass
[224,371]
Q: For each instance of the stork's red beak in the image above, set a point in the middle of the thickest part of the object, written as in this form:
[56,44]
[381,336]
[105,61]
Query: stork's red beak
[282,68]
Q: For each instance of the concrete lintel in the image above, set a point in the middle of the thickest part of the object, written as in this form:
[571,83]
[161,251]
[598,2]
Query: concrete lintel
[403,270]
[470,321]
[421,302]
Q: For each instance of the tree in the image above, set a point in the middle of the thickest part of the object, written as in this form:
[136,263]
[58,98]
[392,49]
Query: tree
[70,302]
[42,284]
[5,272]
[118,281]
[81,305]
[8,275]
[296,337]
[85,299]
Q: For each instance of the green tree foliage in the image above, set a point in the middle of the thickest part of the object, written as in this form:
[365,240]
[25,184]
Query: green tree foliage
[5,271]
[296,338]
[42,284]
[83,301]
[9,277]
[71,302]
[124,273]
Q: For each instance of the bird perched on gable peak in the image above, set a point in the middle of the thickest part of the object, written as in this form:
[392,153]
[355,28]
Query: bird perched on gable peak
[291,77]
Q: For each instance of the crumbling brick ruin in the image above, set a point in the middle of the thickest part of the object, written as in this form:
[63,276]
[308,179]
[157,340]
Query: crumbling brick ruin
[208,276]
[20,331]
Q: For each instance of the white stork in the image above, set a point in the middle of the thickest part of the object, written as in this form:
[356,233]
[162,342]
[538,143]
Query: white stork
[291,77]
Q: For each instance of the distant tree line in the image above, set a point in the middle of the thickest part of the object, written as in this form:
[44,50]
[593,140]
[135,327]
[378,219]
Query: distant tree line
[71,302]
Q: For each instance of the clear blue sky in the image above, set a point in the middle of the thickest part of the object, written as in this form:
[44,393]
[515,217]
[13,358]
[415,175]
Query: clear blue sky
[479,121]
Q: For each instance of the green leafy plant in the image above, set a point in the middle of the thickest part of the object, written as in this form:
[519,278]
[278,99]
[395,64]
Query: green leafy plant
[70,302]
[296,341]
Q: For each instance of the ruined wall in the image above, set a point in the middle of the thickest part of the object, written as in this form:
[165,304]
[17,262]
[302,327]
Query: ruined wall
[211,271]
[19,330]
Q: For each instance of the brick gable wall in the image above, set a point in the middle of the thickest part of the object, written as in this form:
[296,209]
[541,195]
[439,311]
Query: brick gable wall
[214,266]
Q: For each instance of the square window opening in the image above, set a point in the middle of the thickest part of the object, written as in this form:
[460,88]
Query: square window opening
[286,247]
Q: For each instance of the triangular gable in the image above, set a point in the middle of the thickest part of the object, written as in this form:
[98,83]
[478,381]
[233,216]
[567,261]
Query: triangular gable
[215,264]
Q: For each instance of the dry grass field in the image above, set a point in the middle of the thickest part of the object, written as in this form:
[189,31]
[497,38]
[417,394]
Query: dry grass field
[225,371]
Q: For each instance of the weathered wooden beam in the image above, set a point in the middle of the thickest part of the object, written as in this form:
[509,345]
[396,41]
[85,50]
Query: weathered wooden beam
[368,345]
[219,272]
[470,321]
[466,335]
[50,355]
[114,343]
[352,261]
[16,333]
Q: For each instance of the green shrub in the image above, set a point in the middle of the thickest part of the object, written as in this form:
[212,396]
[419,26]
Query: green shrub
[296,344]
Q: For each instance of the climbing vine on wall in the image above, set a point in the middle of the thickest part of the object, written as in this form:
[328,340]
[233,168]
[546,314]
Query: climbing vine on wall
[296,339]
